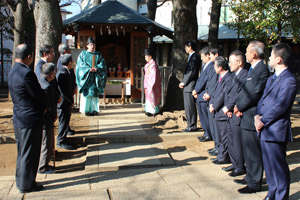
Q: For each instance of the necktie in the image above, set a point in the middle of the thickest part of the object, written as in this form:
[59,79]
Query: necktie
[250,69]
[274,76]
[220,78]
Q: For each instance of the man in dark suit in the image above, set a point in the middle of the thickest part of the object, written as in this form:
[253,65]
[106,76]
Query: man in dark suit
[273,122]
[47,55]
[199,91]
[48,72]
[216,104]
[248,97]
[234,138]
[64,49]
[188,84]
[64,107]
[29,105]
[214,51]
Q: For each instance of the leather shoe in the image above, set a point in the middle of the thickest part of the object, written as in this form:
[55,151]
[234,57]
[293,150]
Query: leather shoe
[237,172]
[266,198]
[65,146]
[214,153]
[213,159]
[33,189]
[240,181]
[217,162]
[204,139]
[211,150]
[228,169]
[248,190]
[189,130]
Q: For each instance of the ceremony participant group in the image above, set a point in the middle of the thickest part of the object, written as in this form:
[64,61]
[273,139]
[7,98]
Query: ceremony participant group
[246,112]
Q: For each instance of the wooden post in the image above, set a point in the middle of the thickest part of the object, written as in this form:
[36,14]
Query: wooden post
[93,61]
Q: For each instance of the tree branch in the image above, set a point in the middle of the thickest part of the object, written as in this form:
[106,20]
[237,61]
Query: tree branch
[162,3]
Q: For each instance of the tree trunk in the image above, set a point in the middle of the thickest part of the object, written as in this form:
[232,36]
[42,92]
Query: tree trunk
[214,22]
[151,5]
[185,28]
[19,25]
[48,26]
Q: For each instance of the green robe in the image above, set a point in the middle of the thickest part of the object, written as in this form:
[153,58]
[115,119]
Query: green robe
[90,84]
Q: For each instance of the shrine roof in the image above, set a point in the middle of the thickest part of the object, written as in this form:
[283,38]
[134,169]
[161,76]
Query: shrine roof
[113,12]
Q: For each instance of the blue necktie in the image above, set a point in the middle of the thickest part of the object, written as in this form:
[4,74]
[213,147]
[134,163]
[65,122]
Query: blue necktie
[274,76]
[250,69]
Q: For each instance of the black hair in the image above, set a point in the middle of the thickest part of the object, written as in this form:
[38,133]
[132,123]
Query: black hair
[22,51]
[222,62]
[239,54]
[45,49]
[283,51]
[216,49]
[65,59]
[191,43]
[204,50]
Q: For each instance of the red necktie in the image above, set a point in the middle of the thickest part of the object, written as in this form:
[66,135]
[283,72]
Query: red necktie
[220,78]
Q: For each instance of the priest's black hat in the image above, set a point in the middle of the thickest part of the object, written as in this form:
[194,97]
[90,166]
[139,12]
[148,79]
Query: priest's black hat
[90,40]
[148,52]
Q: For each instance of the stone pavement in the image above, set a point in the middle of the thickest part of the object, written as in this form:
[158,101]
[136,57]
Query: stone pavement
[125,161]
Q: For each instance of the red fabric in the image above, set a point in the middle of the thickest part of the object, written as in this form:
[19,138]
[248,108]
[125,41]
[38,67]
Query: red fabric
[152,83]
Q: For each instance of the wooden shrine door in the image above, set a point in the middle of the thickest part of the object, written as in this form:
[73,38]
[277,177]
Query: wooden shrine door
[139,41]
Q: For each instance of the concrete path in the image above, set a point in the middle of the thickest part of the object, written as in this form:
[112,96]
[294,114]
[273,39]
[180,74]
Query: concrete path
[127,168]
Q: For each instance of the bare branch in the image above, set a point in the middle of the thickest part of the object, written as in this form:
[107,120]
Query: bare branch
[162,3]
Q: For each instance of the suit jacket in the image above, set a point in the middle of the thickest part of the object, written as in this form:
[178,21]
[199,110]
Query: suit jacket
[51,113]
[28,97]
[231,94]
[219,96]
[38,68]
[65,87]
[202,80]
[275,107]
[250,93]
[191,72]
[72,73]
[211,82]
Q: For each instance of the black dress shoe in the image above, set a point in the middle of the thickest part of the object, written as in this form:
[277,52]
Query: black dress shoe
[217,162]
[214,153]
[189,130]
[33,189]
[248,190]
[213,159]
[211,150]
[240,181]
[65,146]
[228,169]
[204,139]
[236,172]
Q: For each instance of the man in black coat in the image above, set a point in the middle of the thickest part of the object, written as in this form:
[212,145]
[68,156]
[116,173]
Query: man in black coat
[48,72]
[64,107]
[214,51]
[29,105]
[234,136]
[246,103]
[199,91]
[64,49]
[188,84]
[216,104]
[47,55]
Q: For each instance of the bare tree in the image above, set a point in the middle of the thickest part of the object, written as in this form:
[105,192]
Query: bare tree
[214,22]
[152,6]
[48,25]
[185,28]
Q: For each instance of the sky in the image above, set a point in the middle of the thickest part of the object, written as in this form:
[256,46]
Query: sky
[74,8]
